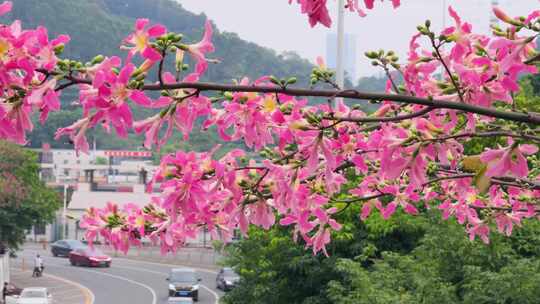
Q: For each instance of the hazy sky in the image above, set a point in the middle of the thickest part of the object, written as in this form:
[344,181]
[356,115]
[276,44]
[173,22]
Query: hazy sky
[275,24]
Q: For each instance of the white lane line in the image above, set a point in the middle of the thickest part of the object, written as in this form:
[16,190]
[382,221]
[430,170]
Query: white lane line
[216,296]
[154,296]
[168,265]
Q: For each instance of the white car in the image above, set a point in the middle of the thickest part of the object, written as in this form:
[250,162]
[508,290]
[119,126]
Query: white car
[31,295]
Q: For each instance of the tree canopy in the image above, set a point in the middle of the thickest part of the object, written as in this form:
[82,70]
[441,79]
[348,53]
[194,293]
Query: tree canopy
[25,200]
[450,132]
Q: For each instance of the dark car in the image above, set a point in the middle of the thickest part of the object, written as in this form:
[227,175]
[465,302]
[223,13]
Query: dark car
[184,282]
[226,279]
[64,247]
[89,257]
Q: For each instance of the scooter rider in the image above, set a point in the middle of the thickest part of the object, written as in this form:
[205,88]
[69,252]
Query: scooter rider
[38,266]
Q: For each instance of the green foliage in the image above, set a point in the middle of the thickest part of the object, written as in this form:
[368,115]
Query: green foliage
[25,199]
[101,161]
[402,260]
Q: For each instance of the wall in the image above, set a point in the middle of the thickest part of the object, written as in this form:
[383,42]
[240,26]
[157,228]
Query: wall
[4,269]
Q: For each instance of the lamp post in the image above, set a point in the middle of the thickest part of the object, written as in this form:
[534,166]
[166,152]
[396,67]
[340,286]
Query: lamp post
[340,45]
[64,213]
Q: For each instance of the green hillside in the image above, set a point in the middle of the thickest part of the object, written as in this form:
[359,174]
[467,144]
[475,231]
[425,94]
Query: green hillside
[98,27]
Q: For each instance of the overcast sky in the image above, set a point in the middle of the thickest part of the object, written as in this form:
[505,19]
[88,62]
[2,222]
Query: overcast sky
[275,24]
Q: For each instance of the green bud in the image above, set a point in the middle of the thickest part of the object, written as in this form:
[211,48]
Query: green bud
[274,80]
[291,80]
[428,23]
[98,59]
[59,49]
[371,55]
[177,38]
[228,95]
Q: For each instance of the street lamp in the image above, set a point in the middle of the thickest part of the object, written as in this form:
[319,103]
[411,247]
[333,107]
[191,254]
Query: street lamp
[64,212]
[340,45]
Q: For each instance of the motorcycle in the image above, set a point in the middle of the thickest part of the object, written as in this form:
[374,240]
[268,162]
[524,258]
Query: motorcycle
[38,272]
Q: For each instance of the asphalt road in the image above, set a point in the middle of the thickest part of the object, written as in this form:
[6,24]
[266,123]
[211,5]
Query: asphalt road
[126,281]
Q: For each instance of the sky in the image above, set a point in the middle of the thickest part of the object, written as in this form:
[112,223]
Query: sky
[280,26]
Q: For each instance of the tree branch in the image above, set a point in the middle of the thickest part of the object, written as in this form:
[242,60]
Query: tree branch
[489,134]
[382,119]
[532,118]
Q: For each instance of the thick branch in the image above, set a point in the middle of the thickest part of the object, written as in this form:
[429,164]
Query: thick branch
[489,134]
[531,118]
[383,119]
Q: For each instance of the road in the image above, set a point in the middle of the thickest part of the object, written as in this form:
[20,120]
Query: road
[126,281]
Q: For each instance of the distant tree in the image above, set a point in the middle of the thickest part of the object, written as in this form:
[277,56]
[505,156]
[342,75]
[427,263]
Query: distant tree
[101,161]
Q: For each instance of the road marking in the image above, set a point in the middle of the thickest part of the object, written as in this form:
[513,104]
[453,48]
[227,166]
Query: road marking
[154,296]
[165,264]
[216,296]
[89,297]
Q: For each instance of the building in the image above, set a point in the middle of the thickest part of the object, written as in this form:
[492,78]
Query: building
[102,172]
[349,56]
[92,181]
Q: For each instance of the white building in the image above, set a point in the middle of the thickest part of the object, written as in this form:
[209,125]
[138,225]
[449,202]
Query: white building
[93,181]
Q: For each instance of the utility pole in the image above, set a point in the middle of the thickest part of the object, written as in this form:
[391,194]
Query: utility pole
[64,213]
[340,44]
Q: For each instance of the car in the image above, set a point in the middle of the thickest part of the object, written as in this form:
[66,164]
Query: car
[226,279]
[64,247]
[31,295]
[184,282]
[89,257]
[179,300]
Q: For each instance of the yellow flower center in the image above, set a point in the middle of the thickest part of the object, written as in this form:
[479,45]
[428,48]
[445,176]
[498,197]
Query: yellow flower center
[269,104]
[4,48]
[140,42]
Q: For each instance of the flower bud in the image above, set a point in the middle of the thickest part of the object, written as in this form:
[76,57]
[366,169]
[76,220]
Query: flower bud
[98,59]
[59,49]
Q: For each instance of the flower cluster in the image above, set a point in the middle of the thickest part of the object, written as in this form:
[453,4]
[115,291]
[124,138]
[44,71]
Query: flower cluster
[316,159]
[317,10]
[27,56]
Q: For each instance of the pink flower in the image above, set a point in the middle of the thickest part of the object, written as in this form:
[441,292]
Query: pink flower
[5,7]
[510,159]
[45,98]
[139,41]
[479,229]
[77,134]
[200,49]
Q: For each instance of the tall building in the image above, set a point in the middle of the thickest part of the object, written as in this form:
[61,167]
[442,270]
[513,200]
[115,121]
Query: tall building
[349,57]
